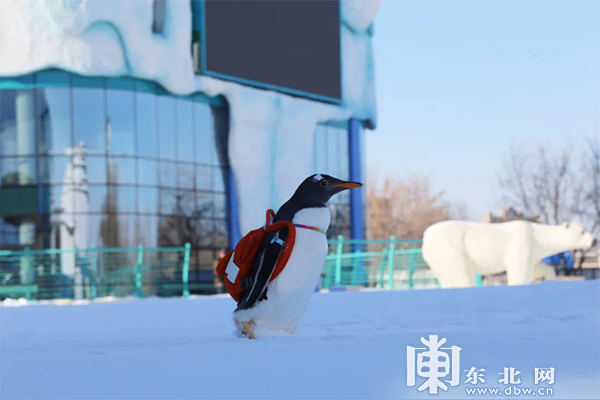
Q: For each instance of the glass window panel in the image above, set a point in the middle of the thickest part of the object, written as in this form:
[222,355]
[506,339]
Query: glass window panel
[171,231]
[19,170]
[148,200]
[97,199]
[220,240]
[147,171]
[110,231]
[44,169]
[8,123]
[168,201]
[186,203]
[166,127]
[96,169]
[18,114]
[55,198]
[123,170]
[127,230]
[121,113]
[148,231]
[19,200]
[44,199]
[206,259]
[205,141]
[126,198]
[89,119]
[185,131]
[168,174]
[55,125]
[95,223]
[206,228]
[147,138]
[204,178]
[218,180]
[52,169]
[220,206]
[187,176]
[205,205]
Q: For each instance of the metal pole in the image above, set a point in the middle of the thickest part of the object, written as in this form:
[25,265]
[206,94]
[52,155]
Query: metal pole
[411,268]
[27,267]
[186,271]
[391,262]
[94,279]
[138,271]
[338,260]
[382,269]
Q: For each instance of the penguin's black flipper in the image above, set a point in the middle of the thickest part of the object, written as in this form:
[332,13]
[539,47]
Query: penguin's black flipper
[262,268]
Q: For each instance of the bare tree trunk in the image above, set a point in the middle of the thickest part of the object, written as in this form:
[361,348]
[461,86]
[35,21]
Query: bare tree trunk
[540,185]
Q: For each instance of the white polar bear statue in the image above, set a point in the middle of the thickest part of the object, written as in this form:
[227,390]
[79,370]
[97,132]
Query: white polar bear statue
[458,250]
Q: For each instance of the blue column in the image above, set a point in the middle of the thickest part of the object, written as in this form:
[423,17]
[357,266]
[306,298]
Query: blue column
[356,195]
[233,227]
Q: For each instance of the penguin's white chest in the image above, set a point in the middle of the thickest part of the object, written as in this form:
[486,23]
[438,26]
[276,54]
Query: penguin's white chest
[289,294]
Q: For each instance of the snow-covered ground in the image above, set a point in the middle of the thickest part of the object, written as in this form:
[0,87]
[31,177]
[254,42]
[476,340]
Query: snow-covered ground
[351,345]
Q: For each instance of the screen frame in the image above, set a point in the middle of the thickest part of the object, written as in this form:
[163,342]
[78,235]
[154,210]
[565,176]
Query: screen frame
[262,85]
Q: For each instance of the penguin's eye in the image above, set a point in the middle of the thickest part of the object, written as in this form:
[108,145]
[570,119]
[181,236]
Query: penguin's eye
[323,183]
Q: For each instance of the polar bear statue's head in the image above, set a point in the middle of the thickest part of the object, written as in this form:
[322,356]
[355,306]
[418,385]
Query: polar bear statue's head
[575,235]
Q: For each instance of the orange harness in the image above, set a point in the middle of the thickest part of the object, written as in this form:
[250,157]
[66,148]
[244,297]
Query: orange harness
[236,264]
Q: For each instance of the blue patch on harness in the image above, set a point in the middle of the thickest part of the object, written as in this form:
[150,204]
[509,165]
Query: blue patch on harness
[278,241]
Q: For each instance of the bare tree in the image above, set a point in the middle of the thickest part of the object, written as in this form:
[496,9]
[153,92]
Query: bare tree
[540,184]
[187,222]
[587,195]
[406,208]
[110,233]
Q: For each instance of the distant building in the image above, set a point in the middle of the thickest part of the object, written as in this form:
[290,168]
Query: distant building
[163,122]
[506,215]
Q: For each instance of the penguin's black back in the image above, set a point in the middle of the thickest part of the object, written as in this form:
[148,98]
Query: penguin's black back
[271,253]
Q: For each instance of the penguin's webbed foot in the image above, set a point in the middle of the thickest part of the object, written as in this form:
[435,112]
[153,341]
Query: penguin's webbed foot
[247,329]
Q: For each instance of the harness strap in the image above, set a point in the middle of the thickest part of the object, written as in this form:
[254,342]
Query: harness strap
[311,228]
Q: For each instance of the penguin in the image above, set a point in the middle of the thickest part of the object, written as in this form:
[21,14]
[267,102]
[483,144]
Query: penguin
[278,307]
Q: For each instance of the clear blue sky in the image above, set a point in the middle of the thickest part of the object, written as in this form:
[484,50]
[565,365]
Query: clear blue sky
[458,82]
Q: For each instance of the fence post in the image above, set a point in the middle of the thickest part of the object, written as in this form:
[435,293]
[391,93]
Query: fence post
[338,260]
[478,280]
[411,267]
[382,268]
[138,271]
[355,263]
[391,262]
[27,269]
[93,253]
[186,271]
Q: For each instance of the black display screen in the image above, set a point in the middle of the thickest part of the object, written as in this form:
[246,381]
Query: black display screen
[288,45]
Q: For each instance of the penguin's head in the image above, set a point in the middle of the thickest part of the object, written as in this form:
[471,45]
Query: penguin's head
[316,190]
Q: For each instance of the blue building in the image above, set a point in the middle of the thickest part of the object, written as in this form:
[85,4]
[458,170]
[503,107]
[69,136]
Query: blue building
[120,125]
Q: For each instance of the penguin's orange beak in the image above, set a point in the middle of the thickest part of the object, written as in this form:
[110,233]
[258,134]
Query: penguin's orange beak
[348,185]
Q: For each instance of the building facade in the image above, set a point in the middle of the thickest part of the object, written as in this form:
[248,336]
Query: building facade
[118,140]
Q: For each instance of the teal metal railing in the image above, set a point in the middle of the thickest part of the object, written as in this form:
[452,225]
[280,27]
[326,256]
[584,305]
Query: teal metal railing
[94,272]
[381,264]
[142,271]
